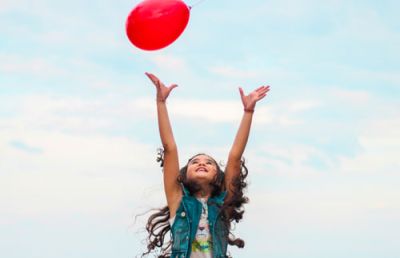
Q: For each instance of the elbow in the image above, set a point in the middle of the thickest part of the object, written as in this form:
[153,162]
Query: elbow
[169,147]
[234,155]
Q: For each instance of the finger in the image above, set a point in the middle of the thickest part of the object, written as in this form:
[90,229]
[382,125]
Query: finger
[261,96]
[148,75]
[241,92]
[173,86]
[153,78]
[264,90]
[263,86]
[259,88]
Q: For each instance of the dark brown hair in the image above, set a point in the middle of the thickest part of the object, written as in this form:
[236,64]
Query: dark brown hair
[158,223]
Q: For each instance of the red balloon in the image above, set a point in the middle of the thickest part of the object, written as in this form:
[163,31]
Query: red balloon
[154,24]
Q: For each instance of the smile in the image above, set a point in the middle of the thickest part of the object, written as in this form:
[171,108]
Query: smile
[201,170]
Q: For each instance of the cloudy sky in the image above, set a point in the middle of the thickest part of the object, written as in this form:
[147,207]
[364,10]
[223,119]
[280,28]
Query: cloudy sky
[78,132]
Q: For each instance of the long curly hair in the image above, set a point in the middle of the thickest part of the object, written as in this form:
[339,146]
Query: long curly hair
[158,223]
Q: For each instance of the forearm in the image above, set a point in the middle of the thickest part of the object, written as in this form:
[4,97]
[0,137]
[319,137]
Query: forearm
[242,136]
[233,166]
[164,126]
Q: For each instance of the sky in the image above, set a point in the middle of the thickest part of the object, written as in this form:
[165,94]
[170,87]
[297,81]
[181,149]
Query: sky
[79,137]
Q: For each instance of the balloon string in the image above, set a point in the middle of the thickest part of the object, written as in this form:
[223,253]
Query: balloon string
[196,3]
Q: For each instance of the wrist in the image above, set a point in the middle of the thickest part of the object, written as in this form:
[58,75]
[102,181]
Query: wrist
[249,110]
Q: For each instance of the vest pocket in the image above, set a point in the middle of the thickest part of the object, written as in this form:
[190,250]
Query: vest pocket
[180,236]
[180,240]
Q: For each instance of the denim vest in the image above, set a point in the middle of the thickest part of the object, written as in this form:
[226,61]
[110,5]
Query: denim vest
[186,222]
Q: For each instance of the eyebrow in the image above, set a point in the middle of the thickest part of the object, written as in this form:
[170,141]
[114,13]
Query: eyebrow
[208,159]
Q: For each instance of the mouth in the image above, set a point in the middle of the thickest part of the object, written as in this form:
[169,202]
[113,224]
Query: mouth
[201,170]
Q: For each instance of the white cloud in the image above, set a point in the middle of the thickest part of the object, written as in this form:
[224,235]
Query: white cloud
[73,173]
[6,5]
[64,70]
[302,105]
[352,97]
[288,160]
[170,62]
[40,67]
[229,111]
[74,114]
[299,10]
[365,23]
[358,74]
[57,160]
[232,72]
[380,145]
[327,205]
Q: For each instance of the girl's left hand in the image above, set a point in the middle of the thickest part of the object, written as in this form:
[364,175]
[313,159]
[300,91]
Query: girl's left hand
[249,101]
[162,90]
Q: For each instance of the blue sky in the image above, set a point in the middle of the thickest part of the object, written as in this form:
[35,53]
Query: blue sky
[78,132]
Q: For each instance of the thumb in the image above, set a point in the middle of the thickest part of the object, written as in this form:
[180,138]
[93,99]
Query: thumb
[173,86]
[241,92]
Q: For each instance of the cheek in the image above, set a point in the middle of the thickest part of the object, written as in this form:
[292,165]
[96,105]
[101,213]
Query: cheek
[190,173]
[213,172]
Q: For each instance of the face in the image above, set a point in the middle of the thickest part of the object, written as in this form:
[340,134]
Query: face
[202,169]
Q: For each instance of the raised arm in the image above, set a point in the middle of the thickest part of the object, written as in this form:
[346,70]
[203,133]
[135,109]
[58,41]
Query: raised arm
[172,188]
[232,170]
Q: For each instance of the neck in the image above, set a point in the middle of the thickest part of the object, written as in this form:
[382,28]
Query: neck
[204,192]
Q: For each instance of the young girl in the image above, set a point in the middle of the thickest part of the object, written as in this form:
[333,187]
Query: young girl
[202,200]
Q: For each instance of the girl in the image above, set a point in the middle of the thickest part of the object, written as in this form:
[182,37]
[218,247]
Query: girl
[202,200]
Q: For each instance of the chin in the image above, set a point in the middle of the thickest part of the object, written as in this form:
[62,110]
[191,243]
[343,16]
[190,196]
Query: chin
[202,179]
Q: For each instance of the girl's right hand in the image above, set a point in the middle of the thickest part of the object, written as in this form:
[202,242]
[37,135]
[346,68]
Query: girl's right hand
[162,90]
